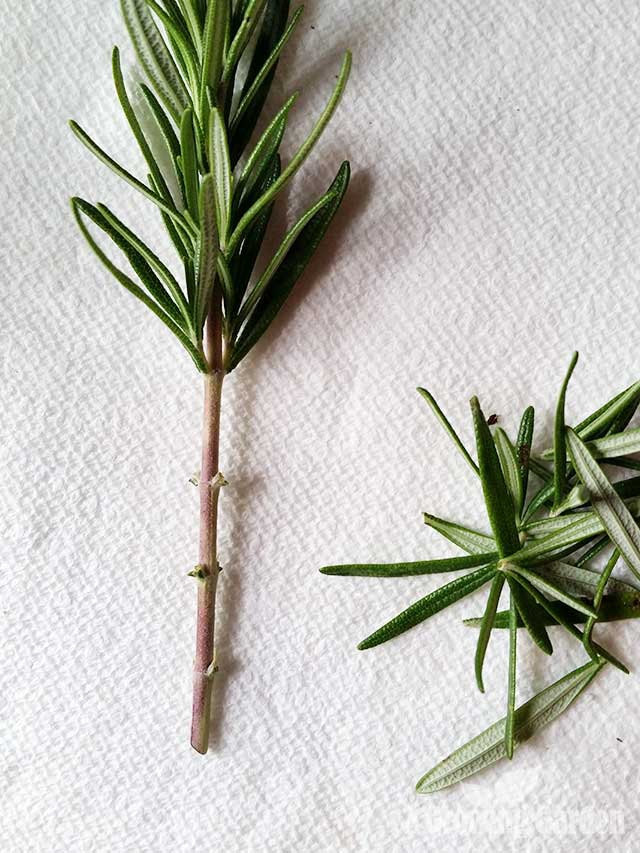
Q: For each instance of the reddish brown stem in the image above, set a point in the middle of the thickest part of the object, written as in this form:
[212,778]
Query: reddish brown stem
[208,569]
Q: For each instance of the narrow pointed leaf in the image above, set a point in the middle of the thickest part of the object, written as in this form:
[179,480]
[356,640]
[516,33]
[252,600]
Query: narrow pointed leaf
[509,729]
[616,517]
[618,444]
[134,124]
[132,245]
[603,582]
[155,57]
[600,423]
[487,626]
[221,171]
[523,451]
[290,269]
[79,207]
[247,25]
[327,200]
[578,581]
[531,615]
[243,262]
[498,500]
[261,158]
[612,609]
[428,606]
[558,610]
[189,163]
[213,50]
[256,83]
[510,467]
[299,157]
[273,26]
[98,152]
[469,540]
[419,567]
[546,586]
[489,746]
[163,121]
[448,428]
[208,249]
[559,439]
[584,526]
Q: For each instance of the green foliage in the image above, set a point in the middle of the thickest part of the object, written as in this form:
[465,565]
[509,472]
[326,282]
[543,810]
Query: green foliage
[217,220]
[548,527]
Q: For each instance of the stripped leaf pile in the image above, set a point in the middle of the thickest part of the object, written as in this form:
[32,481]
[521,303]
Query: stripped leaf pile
[217,196]
[549,525]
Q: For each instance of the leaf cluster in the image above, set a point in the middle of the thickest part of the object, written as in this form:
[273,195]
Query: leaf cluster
[551,516]
[217,198]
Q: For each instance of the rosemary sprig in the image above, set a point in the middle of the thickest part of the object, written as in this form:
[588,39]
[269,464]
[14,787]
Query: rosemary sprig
[541,550]
[207,109]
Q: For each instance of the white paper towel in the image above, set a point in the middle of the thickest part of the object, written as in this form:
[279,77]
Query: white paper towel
[490,229]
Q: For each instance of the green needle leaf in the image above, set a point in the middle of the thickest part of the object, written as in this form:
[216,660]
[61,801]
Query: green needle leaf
[249,21]
[510,467]
[221,171]
[289,268]
[612,609]
[429,605]
[598,423]
[559,440]
[328,199]
[137,130]
[597,601]
[154,56]
[207,251]
[469,540]
[549,588]
[557,610]
[531,614]
[616,518]
[509,728]
[299,157]
[189,163]
[453,435]
[98,152]
[134,248]
[164,123]
[618,444]
[262,155]
[79,207]
[274,23]
[244,260]
[523,450]
[489,746]
[215,29]
[487,626]
[252,94]
[576,580]
[498,500]
[420,567]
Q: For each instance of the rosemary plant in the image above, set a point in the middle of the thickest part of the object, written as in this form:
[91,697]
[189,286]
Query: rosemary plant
[215,203]
[541,551]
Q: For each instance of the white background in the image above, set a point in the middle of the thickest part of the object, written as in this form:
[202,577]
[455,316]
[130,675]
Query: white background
[491,228]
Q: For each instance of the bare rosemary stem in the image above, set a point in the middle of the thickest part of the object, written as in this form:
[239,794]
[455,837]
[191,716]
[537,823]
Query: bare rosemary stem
[208,569]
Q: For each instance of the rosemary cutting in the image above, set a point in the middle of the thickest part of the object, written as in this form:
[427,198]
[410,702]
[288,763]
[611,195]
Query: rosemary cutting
[545,551]
[215,202]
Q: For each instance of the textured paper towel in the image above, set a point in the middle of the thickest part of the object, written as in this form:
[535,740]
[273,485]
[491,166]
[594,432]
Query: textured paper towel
[490,229]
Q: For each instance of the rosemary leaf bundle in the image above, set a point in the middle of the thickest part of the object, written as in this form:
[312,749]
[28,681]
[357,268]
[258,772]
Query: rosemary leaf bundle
[542,552]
